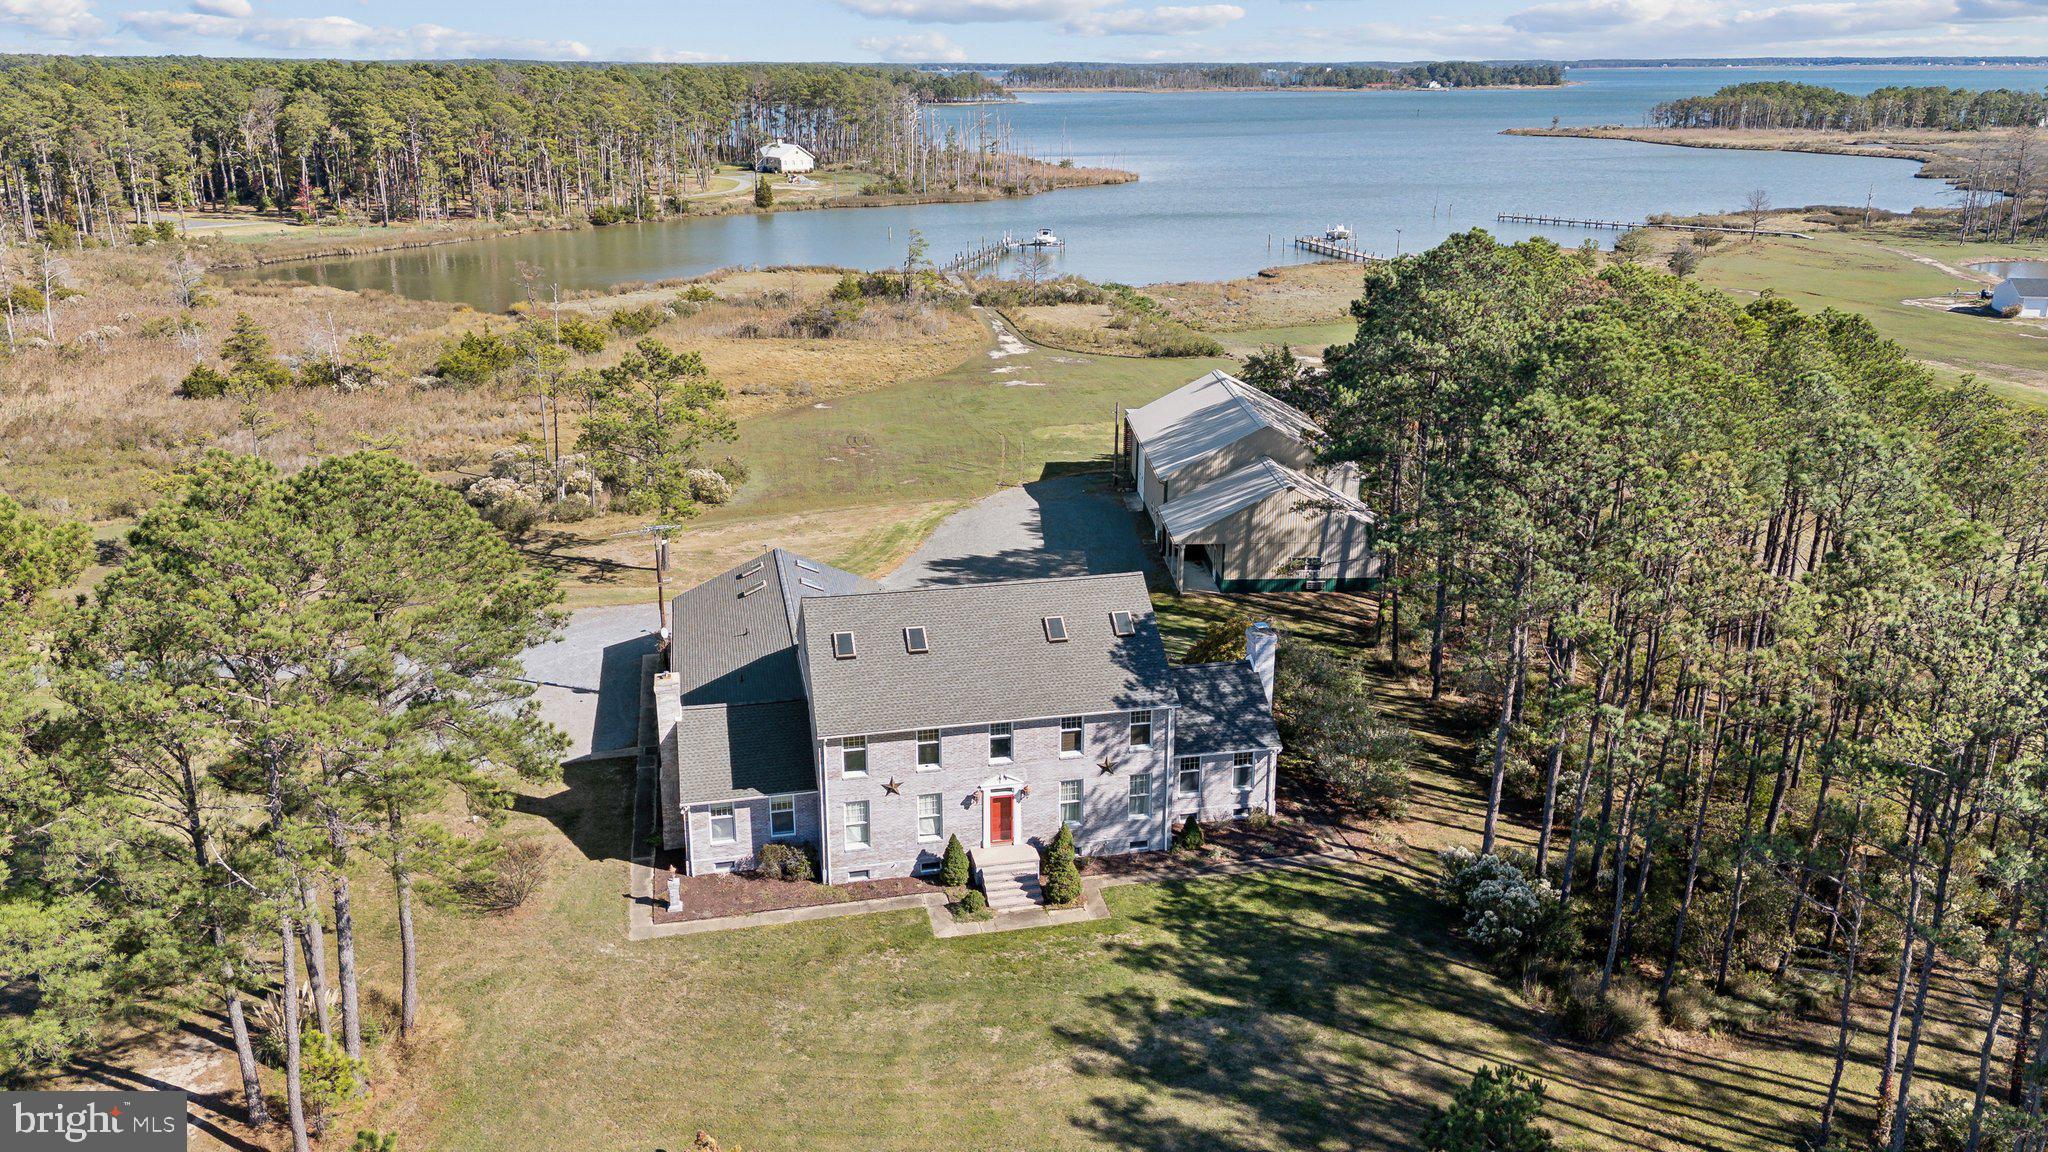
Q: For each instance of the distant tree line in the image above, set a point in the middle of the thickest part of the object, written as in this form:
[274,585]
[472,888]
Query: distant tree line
[1450,74]
[100,146]
[1784,104]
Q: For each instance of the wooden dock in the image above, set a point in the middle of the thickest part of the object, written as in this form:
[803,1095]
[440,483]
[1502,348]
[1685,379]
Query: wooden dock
[1632,225]
[986,252]
[1333,249]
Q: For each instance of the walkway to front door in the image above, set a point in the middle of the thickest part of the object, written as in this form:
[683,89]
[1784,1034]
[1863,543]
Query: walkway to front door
[1002,819]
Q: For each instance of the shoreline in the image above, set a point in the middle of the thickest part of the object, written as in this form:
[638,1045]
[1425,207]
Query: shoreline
[1295,88]
[1935,162]
[404,240]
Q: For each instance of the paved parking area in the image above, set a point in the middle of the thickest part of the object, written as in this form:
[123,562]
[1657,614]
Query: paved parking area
[1062,526]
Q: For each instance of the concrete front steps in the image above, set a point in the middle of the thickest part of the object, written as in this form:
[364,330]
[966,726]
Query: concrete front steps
[1009,876]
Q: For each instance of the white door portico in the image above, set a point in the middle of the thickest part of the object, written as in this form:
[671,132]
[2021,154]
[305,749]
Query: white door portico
[995,789]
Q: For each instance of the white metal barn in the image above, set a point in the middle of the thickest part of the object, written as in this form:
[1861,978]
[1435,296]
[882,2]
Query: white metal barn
[2021,296]
[783,156]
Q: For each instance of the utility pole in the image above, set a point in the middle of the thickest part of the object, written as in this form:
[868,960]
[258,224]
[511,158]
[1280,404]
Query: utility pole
[660,534]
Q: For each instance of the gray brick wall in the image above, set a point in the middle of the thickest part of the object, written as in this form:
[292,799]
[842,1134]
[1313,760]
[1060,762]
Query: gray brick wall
[895,847]
[750,831]
[1220,798]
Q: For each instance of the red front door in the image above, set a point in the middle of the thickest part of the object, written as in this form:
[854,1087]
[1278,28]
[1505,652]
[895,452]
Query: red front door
[1002,819]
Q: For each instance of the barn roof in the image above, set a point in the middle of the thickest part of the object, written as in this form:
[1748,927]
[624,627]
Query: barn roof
[1261,480]
[1212,412]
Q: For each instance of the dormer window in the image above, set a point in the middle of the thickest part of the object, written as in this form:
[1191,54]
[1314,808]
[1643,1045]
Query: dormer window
[1055,629]
[1120,623]
[914,641]
[842,645]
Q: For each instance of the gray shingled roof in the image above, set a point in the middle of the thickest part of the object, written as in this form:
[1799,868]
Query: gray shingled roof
[1254,483]
[1222,709]
[1208,413]
[989,658]
[740,751]
[2028,286]
[734,642]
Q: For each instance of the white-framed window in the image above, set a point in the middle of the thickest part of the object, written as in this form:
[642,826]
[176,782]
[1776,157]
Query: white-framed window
[782,816]
[1002,743]
[854,814]
[1241,770]
[931,821]
[927,748]
[1189,775]
[1139,800]
[928,865]
[1070,802]
[1141,729]
[1120,623]
[1070,736]
[724,865]
[724,825]
[1140,845]
[859,874]
[914,641]
[853,756]
[842,646]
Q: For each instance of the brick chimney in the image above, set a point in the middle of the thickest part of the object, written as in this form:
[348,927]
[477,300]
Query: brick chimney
[1261,645]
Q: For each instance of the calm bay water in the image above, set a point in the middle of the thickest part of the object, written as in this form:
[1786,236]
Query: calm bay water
[1227,178]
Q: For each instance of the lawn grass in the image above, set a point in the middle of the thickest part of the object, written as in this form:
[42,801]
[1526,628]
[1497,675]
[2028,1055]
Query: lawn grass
[1875,274]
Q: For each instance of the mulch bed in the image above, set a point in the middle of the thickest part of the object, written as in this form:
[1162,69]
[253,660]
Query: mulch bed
[709,897]
[1226,842]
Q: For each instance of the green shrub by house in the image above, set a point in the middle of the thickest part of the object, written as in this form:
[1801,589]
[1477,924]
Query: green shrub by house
[1189,836]
[953,870]
[1062,875]
[790,862]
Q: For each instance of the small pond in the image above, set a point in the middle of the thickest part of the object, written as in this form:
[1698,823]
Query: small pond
[2004,268]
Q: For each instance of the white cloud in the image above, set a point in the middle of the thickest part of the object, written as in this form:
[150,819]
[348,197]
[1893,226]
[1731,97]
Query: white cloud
[58,19]
[1653,28]
[237,8]
[647,55]
[1161,21]
[970,11]
[921,48]
[340,35]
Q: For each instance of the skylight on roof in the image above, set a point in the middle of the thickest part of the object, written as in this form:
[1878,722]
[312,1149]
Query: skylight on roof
[813,585]
[1120,623]
[807,566]
[842,645]
[749,570]
[914,640]
[750,589]
[1055,629]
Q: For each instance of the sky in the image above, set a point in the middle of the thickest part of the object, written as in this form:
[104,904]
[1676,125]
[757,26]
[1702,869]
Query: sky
[954,31]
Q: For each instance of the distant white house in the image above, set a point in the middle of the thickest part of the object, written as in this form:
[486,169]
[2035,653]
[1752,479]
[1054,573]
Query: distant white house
[783,156]
[2021,296]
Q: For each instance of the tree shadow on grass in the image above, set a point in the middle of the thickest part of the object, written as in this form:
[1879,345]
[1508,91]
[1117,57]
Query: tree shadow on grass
[1328,1009]
[591,809]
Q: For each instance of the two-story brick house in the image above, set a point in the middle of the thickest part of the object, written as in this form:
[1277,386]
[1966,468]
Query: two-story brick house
[806,705]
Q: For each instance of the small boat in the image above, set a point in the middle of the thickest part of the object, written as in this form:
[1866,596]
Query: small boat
[1044,239]
[1337,232]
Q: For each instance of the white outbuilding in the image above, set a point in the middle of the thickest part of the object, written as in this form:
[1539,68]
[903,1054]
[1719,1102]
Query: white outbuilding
[783,156]
[2021,296]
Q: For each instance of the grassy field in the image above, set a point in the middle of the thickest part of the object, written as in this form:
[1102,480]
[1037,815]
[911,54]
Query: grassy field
[1321,1009]
[1877,274]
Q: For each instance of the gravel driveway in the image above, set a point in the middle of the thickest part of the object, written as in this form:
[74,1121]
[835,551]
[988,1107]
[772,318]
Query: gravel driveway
[1063,526]
[588,681]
